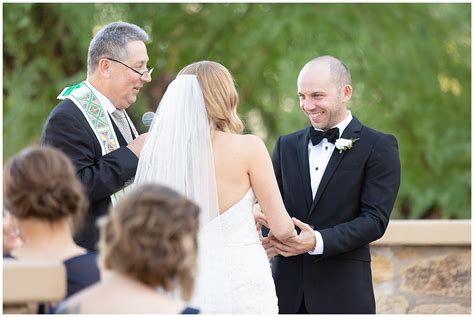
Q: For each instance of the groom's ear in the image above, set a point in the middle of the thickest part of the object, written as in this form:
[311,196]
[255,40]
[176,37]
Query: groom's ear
[346,93]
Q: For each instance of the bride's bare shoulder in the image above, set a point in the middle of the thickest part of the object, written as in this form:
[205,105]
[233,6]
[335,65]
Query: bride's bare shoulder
[244,142]
[253,141]
[240,149]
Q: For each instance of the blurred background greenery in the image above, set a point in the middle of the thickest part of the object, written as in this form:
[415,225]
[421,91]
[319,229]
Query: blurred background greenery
[410,64]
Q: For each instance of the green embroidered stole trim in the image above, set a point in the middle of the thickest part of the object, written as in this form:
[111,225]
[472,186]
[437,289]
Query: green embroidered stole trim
[97,117]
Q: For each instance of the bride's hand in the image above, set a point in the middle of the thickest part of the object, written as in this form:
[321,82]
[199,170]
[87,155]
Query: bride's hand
[266,242]
[259,216]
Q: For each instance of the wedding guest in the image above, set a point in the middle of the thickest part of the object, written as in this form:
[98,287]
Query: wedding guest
[11,240]
[148,249]
[46,199]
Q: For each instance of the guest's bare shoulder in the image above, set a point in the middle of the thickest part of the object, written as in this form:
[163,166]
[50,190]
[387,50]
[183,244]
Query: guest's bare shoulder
[79,302]
[72,306]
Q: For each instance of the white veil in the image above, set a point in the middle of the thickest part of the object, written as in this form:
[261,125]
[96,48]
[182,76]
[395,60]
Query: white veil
[178,150]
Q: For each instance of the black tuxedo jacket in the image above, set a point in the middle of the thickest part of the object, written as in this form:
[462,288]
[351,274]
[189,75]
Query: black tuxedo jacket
[351,209]
[68,130]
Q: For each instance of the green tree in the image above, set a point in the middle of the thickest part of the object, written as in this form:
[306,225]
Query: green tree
[410,65]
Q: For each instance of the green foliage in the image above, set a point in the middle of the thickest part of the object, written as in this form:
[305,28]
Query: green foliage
[410,64]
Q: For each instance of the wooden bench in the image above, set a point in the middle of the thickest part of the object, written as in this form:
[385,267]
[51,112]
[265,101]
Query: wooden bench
[27,283]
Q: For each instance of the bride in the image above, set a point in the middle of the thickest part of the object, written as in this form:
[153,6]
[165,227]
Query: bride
[195,147]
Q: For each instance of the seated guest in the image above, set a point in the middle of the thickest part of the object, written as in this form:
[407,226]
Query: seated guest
[42,194]
[148,249]
[11,240]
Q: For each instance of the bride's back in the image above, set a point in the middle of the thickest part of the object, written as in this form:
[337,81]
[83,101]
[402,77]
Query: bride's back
[241,161]
[230,149]
[231,154]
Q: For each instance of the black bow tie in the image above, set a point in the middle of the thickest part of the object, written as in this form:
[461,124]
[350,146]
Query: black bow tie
[317,135]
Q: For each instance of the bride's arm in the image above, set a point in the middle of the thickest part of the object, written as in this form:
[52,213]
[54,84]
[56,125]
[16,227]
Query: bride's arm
[265,186]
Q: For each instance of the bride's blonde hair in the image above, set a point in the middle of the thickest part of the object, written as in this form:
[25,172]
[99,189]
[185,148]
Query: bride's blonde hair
[220,95]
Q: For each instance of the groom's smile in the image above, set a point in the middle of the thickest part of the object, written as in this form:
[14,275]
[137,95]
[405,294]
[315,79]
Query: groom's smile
[315,117]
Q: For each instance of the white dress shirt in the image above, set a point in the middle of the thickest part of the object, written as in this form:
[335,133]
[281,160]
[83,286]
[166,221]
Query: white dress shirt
[319,156]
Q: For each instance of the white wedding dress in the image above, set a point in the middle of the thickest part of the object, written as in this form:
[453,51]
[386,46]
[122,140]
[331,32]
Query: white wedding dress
[234,275]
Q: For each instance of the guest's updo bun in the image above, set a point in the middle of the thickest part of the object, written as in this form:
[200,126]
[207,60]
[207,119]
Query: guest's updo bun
[150,235]
[40,182]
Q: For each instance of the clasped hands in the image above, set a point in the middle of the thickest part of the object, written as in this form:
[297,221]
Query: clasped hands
[301,243]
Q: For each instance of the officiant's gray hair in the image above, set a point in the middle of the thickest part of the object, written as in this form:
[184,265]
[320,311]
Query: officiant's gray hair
[111,41]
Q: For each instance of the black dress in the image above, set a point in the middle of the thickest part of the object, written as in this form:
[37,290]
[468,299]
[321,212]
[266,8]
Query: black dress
[190,311]
[81,271]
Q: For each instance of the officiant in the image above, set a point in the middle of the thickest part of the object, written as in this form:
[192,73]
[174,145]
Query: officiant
[90,123]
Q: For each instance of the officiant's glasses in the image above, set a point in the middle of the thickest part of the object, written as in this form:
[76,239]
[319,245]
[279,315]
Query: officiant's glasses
[148,71]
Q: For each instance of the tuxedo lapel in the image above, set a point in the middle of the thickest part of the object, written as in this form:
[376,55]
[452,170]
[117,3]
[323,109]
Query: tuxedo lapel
[352,131]
[303,164]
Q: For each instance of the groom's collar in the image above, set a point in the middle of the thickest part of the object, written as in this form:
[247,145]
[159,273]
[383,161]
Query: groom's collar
[343,124]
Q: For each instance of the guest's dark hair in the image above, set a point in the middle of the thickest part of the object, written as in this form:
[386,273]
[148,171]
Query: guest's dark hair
[150,235]
[40,182]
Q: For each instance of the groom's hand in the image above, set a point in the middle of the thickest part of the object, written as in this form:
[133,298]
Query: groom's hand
[302,243]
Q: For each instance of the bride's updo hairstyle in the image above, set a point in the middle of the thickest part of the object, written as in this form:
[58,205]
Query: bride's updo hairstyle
[220,95]
[151,236]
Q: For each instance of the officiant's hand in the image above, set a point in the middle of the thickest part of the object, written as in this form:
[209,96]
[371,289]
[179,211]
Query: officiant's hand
[302,243]
[136,145]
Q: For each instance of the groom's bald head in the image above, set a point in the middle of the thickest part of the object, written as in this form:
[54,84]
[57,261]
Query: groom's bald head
[339,72]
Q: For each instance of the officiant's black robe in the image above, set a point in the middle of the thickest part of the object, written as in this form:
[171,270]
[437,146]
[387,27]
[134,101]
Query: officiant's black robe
[67,129]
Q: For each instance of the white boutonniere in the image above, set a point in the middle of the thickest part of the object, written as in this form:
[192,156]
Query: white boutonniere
[344,144]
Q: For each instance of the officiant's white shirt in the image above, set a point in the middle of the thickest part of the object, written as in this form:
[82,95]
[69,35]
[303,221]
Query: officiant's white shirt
[319,156]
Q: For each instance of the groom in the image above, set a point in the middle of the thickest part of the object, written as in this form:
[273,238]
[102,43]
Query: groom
[340,178]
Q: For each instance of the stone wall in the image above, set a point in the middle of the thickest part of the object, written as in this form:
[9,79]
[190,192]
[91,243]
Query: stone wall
[422,270]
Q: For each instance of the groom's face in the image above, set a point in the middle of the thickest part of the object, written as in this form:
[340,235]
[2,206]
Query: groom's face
[320,97]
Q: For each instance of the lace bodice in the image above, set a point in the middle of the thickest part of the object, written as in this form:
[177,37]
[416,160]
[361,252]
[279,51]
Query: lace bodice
[237,224]
[233,270]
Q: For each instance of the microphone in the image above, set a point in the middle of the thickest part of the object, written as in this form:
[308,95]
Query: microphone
[147,119]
